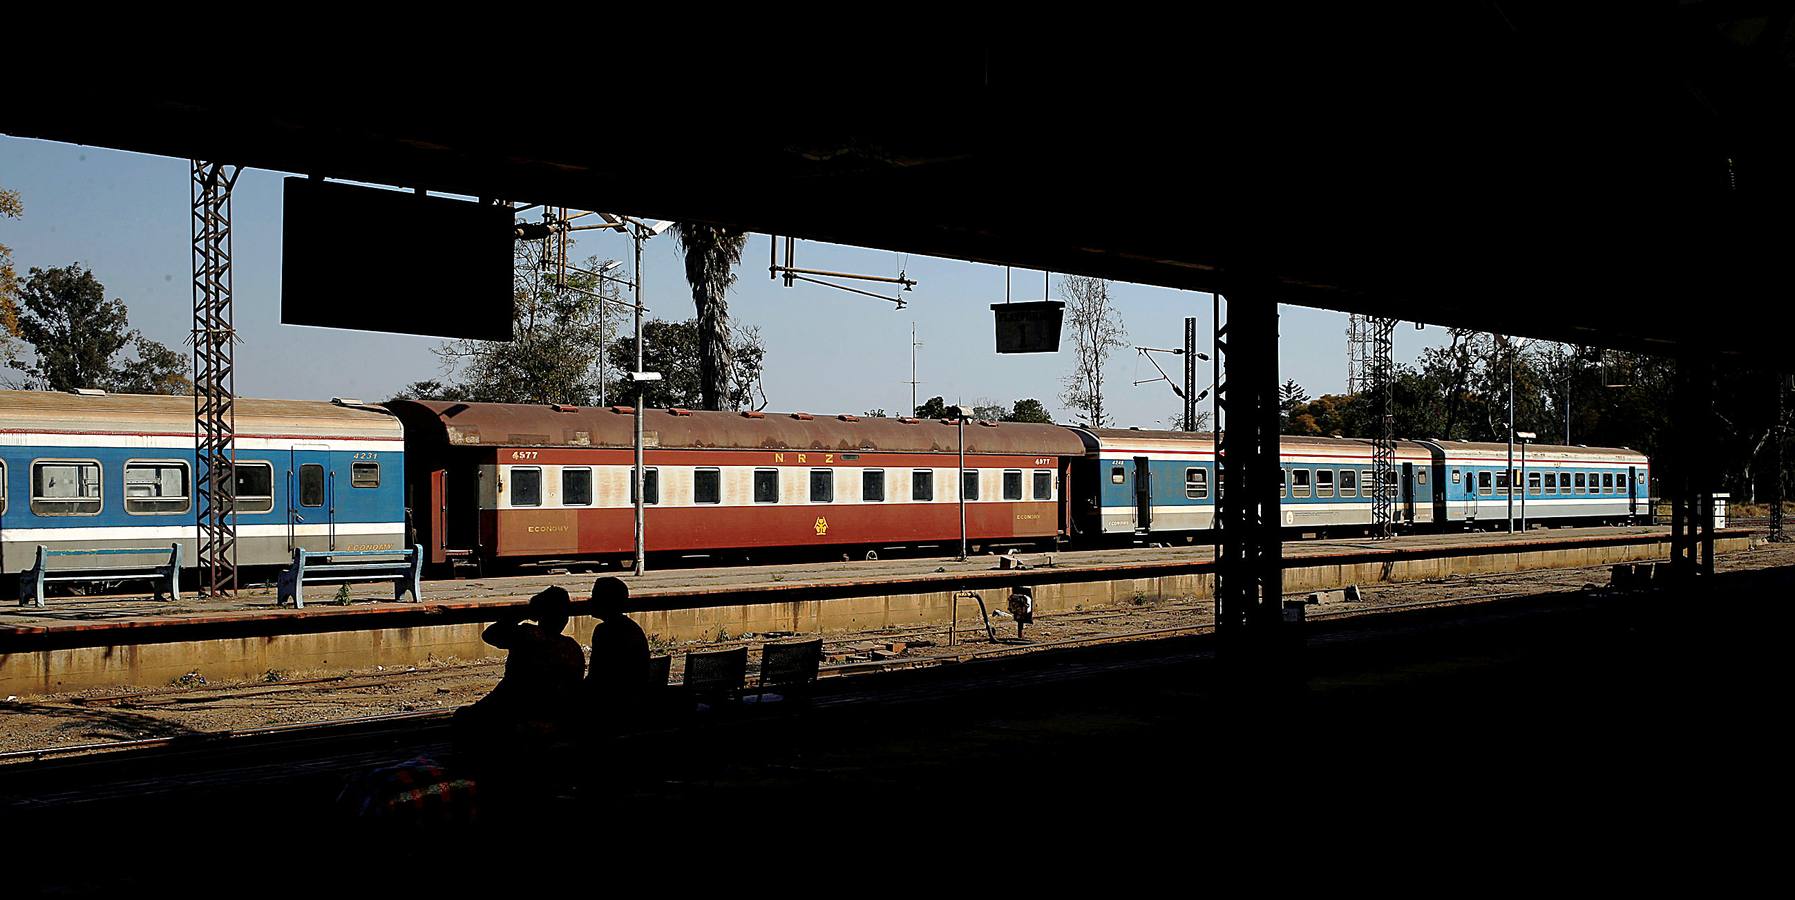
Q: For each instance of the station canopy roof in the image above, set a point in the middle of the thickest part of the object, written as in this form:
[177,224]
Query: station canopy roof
[1617,176]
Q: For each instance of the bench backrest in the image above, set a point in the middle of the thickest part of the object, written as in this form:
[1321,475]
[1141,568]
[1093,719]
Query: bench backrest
[660,669]
[793,662]
[102,558]
[718,670]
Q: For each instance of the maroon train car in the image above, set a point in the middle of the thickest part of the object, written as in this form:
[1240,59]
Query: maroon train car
[497,483]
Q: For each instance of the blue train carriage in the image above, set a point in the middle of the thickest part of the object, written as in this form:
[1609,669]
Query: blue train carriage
[98,471]
[1329,484]
[1132,482]
[1562,485]
[1162,483]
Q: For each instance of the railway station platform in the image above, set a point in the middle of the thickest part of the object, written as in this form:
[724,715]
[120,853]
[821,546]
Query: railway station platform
[78,643]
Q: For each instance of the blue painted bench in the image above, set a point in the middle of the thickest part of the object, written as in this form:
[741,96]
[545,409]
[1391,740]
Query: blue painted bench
[32,580]
[405,568]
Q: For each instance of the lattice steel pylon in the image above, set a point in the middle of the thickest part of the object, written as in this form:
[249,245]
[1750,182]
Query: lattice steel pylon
[214,377]
[1358,353]
[1383,438]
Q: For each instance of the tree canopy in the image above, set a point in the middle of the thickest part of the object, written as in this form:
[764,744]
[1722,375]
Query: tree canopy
[79,339]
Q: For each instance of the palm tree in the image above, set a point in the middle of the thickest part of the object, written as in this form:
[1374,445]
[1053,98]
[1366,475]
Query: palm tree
[711,255]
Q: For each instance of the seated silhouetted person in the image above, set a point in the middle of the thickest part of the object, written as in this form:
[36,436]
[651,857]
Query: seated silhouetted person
[617,683]
[540,689]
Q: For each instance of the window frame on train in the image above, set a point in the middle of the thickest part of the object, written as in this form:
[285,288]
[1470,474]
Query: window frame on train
[651,485]
[1486,483]
[185,499]
[98,500]
[237,495]
[1607,482]
[1349,483]
[1421,475]
[2,487]
[1284,484]
[872,478]
[1503,479]
[772,480]
[969,485]
[1580,481]
[922,485]
[1534,482]
[512,486]
[1118,473]
[1043,477]
[355,474]
[567,493]
[1196,483]
[1324,478]
[1006,484]
[700,477]
[825,478]
[1301,484]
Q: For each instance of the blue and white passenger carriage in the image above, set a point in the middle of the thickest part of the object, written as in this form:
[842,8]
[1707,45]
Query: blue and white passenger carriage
[98,471]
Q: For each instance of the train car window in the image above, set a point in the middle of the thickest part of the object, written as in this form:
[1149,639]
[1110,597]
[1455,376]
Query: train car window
[1196,484]
[1607,482]
[1484,483]
[576,486]
[311,485]
[1551,483]
[156,488]
[1324,482]
[1284,483]
[1564,482]
[526,486]
[969,484]
[1455,476]
[65,487]
[922,484]
[1502,481]
[364,474]
[1299,482]
[255,487]
[2,486]
[872,485]
[651,486]
[707,486]
[1579,481]
[1420,476]
[1043,485]
[766,485]
[1118,474]
[1012,484]
[1349,482]
[1533,483]
[822,485]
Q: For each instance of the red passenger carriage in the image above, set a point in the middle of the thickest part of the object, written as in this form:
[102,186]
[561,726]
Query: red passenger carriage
[493,483]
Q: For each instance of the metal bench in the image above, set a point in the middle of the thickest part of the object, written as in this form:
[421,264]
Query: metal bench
[32,580]
[405,568]
[716,676]
[789,668]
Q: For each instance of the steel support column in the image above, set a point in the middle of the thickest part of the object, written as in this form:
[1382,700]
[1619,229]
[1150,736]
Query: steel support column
[214,377]
[1249,570]
[1691,482]
[1383,439]
[1777,435]
[1190,373]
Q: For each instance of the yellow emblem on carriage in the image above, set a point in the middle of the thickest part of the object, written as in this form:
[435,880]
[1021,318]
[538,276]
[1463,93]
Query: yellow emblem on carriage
[822,526]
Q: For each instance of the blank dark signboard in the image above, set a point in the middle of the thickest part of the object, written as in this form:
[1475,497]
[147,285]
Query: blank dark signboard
[395,261]
[1029,327]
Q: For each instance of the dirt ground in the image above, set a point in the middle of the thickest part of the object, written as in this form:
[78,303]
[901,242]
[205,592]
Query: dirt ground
[280,698]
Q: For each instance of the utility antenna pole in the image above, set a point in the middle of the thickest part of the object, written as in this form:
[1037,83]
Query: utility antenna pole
[914,344]
[214,377]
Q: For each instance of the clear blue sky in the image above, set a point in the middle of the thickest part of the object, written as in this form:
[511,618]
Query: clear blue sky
[126,216]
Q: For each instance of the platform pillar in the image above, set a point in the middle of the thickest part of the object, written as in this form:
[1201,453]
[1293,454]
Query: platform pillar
[1691,483]
[1249,571]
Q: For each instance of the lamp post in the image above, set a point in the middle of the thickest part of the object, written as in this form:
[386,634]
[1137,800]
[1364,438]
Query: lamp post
[960,413]
[1524,436]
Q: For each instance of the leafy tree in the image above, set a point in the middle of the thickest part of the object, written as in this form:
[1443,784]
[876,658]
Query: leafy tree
[711,255]
[10,208]
[558,331]
[429,389]
[1029,410]
[78,338]
[671,348]
[932,408]
[1097,331]
[989,410]
[1291,395]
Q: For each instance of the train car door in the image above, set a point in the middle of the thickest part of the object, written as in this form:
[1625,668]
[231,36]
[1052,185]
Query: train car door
[1408,492]
[1440,487]
[311,500]
[1143,496]
[439,515]
[1470,489]
[1632,493]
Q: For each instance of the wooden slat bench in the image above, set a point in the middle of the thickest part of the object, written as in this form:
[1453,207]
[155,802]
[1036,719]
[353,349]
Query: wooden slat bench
[168,572]
[789,668]
[405,568]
